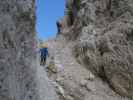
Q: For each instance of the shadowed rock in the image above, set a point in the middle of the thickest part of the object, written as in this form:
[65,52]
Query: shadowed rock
[103,35]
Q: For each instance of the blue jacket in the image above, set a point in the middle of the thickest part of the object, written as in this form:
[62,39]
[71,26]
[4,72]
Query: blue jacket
[44,52]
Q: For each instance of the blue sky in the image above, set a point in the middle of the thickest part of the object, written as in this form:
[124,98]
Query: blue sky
[48,12]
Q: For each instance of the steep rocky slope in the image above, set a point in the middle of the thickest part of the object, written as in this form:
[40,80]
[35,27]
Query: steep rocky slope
[106,43]
[101,34]
[21,77]
[72,80]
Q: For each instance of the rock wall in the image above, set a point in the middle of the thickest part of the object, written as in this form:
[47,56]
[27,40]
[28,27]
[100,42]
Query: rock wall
[19,79]
[102,32]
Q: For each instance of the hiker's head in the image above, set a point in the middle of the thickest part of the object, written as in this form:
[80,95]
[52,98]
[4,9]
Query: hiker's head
[44,45]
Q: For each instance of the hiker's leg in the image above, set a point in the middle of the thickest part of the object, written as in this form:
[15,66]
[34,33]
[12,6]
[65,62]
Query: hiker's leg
[44,60]
[41,61]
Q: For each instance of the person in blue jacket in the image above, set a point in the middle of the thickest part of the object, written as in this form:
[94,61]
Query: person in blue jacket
[44,54]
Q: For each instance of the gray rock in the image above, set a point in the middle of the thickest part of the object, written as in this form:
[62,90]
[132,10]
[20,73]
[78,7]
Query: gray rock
[19,79]
[91,86]
[103,36]
[83,83]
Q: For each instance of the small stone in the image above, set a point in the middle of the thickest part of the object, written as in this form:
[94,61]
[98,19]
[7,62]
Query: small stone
[61,91]
[83,83]
[91,77]
[91,86]
[58,79]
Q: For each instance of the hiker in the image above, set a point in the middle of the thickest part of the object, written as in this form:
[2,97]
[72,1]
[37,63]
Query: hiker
[60,26]
[44,54]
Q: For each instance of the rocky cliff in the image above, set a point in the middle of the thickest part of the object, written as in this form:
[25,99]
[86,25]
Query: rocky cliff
[21,77]
[91,59]
[101,32]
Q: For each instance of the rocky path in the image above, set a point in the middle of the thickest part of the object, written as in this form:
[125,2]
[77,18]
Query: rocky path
[73,81]
[45,88]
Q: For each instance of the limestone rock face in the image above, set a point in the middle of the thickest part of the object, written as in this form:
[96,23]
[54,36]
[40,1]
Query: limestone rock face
[19,79]
[17,50]
[102,32]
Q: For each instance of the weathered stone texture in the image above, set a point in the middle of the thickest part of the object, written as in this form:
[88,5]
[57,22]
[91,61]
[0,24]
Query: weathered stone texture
[103,34]
[21,77]
[17,50]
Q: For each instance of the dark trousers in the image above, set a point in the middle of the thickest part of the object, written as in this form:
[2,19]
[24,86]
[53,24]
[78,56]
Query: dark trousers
[43,60]
[59,30]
